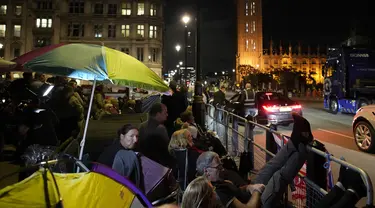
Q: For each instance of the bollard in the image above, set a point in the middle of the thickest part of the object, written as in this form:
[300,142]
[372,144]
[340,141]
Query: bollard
[315,171]
[271,145]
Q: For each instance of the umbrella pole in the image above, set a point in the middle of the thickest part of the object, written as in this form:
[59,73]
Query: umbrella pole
[87,122]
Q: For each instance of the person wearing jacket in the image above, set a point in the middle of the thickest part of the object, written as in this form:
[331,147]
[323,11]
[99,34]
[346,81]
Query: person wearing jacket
[153,136]
[176,104]
[275,176]
[120,156]
[219,97]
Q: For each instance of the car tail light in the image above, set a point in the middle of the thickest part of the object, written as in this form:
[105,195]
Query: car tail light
[296,106]
[271,108]
[269,93]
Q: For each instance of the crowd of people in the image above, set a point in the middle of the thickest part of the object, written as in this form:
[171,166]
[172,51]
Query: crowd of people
[210,183]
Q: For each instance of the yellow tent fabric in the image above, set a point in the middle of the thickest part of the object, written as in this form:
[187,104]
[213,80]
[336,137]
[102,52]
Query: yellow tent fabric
[77,190]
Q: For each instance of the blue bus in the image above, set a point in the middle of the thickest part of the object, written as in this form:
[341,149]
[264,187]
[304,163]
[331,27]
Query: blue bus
[349,79]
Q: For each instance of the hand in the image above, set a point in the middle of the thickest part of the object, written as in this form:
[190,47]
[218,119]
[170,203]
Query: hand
[255,187]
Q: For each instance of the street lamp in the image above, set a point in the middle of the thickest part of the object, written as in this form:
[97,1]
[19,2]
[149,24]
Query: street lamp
[178,48]
[186,20]
[180,63]
[233,70]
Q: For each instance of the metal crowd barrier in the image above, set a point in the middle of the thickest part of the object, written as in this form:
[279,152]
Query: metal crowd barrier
[242,138]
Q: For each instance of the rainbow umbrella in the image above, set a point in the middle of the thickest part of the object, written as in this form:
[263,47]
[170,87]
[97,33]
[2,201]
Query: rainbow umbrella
[91,62]
[6,66]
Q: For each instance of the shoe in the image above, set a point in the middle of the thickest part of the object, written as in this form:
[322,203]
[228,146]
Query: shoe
[301,131]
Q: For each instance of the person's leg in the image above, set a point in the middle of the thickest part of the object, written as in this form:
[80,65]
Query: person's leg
[275,164]
[332,197]
[280,180]
[348,200]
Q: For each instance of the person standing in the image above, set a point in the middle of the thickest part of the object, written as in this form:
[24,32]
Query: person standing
[153,136]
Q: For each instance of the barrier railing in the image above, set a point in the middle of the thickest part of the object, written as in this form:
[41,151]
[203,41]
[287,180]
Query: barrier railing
[245,138]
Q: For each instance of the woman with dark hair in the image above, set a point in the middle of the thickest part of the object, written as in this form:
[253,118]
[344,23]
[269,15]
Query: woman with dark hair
[127,138]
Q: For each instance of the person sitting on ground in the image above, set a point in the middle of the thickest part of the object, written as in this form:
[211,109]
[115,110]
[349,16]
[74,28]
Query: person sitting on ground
[188,118]
[182,139]
[127,138]
[276,175]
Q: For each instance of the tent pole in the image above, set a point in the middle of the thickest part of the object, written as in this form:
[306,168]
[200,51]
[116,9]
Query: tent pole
[87,122]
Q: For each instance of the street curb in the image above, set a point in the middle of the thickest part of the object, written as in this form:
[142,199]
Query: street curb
[307,99]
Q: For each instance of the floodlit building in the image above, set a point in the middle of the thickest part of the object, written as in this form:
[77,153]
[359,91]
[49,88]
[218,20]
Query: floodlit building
[133,27]
[251,54]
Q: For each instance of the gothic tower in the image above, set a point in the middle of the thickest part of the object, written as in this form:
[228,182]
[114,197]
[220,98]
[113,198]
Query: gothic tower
[249,34]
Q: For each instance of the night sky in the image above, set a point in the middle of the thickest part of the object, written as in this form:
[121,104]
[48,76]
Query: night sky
[309,22]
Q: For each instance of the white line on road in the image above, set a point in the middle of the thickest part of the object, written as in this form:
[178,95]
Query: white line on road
[332,132]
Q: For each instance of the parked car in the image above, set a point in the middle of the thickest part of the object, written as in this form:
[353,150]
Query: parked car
[270,108]
[363,128]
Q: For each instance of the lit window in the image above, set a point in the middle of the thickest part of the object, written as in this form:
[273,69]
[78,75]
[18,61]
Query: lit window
[247,44]
[43,22]
[111,31]
[126,9]
[17,31]
[253,9]
[141,9]
[3,29]
[153,10]
[253,26]
[18,10]
[49,23]
[98,31]
[247,8]
[141,30]
[140,54]
[247,27]
[153,31]
[125,30]
[254,47]
[3,9]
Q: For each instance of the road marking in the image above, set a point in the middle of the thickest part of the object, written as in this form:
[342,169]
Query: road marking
[332,132]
